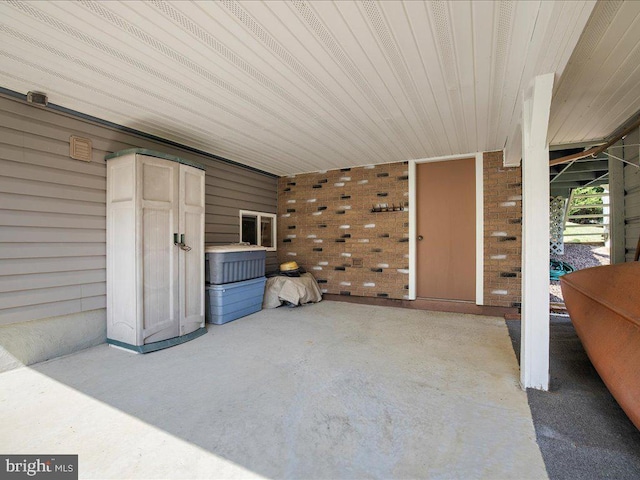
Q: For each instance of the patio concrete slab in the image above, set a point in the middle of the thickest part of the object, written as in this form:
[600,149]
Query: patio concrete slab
[330,390]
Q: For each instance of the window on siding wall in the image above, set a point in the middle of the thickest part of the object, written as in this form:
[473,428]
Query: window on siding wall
[258,228]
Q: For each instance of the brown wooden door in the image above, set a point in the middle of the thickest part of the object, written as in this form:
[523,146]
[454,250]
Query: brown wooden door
[446,229]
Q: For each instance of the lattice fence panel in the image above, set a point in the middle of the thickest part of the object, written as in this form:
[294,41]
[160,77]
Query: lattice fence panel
[556,227]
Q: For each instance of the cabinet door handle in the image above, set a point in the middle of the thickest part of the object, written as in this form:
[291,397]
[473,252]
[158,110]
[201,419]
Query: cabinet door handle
[179,240]
[182,245]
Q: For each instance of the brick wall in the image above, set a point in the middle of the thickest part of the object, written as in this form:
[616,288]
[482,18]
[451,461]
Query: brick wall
[502,232]
[326,225]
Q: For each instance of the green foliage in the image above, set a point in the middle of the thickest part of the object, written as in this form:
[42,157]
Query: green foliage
[588,205]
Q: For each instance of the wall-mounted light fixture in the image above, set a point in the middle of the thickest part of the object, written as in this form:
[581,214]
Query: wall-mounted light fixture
[37,98]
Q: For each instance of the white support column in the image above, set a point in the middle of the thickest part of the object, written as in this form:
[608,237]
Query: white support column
[534,347]
[606,212]
[617,245]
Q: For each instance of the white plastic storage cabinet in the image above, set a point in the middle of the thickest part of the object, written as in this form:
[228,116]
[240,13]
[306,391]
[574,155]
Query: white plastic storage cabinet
[155,250]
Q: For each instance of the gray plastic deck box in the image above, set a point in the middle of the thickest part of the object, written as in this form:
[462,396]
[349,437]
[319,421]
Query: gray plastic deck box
[233,300]
[233,263]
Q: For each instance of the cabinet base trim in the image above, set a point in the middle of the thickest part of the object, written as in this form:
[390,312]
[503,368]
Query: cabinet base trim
[152,347]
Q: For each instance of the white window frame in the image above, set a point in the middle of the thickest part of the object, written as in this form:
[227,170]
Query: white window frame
[259,216]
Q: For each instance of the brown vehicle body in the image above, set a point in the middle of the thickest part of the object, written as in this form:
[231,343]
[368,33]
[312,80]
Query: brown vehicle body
[604,305]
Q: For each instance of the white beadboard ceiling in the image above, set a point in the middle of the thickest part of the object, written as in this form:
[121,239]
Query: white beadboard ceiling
[600,88]
[291,87]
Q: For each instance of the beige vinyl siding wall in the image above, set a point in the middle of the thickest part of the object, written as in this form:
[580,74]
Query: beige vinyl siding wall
[52,209]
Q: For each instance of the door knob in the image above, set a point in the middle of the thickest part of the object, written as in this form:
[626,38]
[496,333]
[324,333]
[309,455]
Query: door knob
[420,237]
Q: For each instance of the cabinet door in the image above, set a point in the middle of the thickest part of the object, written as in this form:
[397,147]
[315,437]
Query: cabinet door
[122,300]
[158,193]
[192,261]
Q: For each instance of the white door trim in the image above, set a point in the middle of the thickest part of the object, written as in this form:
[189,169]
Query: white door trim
[479,221]
[479,228]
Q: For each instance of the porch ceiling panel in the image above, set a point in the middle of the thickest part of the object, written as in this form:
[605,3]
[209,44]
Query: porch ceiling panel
[600,88]
[291,87]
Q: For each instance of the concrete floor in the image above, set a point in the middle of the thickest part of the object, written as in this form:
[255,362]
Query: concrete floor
[331,390]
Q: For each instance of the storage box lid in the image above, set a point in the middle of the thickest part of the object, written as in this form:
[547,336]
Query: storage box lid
[234,247]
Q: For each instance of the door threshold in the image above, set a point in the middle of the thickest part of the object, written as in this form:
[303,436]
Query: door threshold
[447,300]
[426,304]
